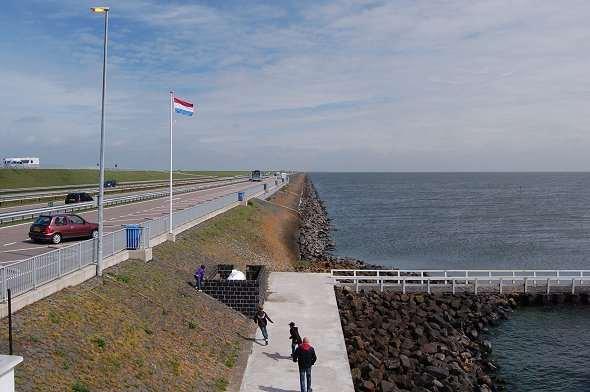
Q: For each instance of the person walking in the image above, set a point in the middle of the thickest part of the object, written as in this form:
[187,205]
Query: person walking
[305,357]
[295,337]
[199,277]
[261,319]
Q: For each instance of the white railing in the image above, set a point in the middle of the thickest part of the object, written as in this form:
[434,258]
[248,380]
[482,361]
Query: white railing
[476,281]
[29,274]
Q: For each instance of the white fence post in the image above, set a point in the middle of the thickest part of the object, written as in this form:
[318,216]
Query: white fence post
[79,255]
[573,286]
[4,285]
[59,262]
[34,272]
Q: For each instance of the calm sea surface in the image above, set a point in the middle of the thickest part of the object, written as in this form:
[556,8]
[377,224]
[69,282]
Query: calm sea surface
[480,221]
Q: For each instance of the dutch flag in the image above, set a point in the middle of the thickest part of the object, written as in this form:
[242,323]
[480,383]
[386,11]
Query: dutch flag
[183,107]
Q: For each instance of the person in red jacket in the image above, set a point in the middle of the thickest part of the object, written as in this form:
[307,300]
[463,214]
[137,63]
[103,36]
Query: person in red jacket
[305,357]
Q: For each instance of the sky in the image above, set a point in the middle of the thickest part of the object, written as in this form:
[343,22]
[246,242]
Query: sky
[343,85]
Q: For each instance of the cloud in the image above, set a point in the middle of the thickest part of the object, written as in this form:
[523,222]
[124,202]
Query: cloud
[330,85]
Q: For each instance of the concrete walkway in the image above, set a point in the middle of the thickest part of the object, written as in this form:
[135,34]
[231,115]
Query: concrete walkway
[308,300]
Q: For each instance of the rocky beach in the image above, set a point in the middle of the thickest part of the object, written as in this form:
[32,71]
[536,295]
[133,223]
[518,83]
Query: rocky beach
[399,342]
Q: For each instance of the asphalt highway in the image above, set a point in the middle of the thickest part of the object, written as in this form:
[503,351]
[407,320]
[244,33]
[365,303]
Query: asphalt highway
[131,192]
[15,244]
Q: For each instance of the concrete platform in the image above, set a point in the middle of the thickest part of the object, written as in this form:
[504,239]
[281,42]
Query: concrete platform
[308,300]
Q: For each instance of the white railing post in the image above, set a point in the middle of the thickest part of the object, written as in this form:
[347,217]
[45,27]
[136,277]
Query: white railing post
[501,281]
[79,255]
[59,262]
[446,277]
[535,280]
[475,285]
[454,286]
[525,284]
[428,286]
[490,276]
[513,275]
[34,272]
[422,276]
[573,286]
[403,286]
[356,281]
[4,285]
[548,285]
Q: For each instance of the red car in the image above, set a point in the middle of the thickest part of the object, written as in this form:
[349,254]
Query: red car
[54,228]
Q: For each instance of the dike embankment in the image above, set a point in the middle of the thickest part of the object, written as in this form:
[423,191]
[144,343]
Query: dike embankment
[412,342]
[143,327]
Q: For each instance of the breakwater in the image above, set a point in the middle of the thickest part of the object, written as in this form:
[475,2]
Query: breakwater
[420,342]
[314,233]
[314,240]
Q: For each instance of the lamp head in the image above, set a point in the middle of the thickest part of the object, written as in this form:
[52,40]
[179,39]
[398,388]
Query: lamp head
[99,10]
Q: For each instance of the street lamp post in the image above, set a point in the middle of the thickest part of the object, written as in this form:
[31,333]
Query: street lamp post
[99,263]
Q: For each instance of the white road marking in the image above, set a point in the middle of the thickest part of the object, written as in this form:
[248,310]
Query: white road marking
[10,243]
[18,250]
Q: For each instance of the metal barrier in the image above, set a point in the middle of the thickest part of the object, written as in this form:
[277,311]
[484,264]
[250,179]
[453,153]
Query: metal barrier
[29,274]
[476,281]
[15,216]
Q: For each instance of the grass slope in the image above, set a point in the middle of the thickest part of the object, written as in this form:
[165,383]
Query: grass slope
[142,327]
[29,178]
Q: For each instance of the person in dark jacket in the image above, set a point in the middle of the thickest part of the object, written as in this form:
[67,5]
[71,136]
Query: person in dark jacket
[199,277]
[295,337]
[261,319]
[305,357]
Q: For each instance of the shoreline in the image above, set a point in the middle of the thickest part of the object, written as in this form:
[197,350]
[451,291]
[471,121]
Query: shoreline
[444,345]
[314,239]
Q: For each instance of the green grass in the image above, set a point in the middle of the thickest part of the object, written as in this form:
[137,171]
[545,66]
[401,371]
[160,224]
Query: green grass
[234,221]
[221,384]
[33,178]
[79,387]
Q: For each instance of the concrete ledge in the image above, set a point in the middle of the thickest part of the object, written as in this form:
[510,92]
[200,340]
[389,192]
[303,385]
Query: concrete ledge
[141,254]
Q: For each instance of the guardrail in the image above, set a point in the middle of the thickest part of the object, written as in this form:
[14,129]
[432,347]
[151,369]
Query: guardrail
[15,216]
[75,186]
[475,281]
[29,274]
[12,199]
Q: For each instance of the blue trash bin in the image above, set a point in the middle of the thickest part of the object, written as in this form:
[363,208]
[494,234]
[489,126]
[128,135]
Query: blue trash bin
[133,236]
[241,196]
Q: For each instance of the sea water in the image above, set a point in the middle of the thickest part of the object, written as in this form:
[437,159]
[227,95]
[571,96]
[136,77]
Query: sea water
[480,221]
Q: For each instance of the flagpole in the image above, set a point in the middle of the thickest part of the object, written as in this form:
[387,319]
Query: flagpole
[171,121]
